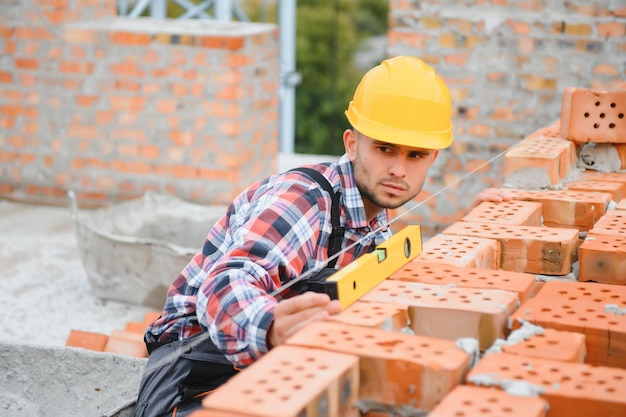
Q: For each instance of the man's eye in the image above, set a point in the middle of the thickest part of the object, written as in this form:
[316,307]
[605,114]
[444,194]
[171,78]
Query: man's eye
[416,155]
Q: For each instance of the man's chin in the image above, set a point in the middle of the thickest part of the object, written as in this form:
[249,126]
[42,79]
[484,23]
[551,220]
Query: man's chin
[393,203]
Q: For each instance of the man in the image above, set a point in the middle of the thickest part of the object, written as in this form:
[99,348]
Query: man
[279,229]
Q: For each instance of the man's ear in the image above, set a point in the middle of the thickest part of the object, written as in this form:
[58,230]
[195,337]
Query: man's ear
[349,143]
[434,155]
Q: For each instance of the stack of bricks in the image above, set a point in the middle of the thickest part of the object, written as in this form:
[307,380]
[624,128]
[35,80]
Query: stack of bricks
[493,317]
[506,64]
[112,107]
[127,341]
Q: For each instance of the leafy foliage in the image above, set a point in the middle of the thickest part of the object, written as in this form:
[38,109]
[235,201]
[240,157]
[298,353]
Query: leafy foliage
[329,33]
[328,37]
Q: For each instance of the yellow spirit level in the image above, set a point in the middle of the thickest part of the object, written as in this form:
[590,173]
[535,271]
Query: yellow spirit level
[353,281]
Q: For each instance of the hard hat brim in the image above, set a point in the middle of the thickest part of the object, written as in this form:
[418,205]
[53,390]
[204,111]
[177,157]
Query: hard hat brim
[385,133]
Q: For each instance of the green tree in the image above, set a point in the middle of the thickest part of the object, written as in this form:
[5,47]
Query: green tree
[325,46]
[328,36]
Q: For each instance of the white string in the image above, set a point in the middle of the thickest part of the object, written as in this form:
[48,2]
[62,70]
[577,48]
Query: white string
[384,227]
[205,334]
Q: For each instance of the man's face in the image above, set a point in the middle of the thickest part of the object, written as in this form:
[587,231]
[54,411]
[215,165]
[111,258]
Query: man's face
[387,175]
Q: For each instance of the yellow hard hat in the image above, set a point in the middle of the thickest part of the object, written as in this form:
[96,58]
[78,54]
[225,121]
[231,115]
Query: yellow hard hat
[403,101]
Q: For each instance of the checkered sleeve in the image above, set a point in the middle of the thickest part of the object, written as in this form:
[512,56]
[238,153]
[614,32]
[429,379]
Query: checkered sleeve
[270,245]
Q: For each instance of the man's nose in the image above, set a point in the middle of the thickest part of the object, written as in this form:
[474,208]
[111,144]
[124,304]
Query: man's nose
[398,167]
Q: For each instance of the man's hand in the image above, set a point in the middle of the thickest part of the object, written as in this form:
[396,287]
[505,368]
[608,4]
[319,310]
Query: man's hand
[495,195]
[294,313]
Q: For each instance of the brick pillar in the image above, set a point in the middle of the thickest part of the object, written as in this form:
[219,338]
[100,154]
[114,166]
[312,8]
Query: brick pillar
[507,65]
[113,107]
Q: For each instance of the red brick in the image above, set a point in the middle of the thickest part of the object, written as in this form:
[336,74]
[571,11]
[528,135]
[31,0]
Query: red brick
[76,67]
[589,175]
[27,63]
[123,345]
[549,158]
[571,389]
[221,42]
[130,38]
[603,258]
[137,167]
[473,401]
[85,100]
[612,223]
[87,340]
[450,312]
[130,69]
[291,381]
[395,368]
[150,318]
[611,29]
[549,344]
[392,317]
[582,308]
[617,190]
[6,77]
[128,103]
[521,213]
[538,250]
[593,116]
[567,208]
[462,251]
[449,275]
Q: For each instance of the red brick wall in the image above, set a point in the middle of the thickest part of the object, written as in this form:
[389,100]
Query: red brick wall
[507,64]
[111,107]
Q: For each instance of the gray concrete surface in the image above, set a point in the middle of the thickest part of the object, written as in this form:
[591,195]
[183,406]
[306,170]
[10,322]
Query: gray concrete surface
[45,293]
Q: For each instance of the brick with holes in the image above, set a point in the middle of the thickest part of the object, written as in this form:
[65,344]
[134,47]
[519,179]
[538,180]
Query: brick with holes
[515,212]
[612,223]
[603,176]
[396,369]
[602,258]
[549,140]
[472,401]
[567,208]
[616,189]
[594,309]
[495,279]
[532,249]
[544,343]
[450,312]
[457,250]
[546,162]
[392,317]
[291,381]
[593,115]
[571,389]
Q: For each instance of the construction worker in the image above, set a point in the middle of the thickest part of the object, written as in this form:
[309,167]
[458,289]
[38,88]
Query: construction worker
[282,227]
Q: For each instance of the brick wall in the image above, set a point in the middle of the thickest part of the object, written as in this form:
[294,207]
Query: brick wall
[507,64]
[111,107]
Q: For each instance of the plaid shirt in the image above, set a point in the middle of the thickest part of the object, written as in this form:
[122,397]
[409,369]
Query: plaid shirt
[274,231]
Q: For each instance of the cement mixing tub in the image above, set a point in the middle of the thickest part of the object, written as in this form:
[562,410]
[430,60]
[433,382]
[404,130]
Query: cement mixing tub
[134,250]
[40,381]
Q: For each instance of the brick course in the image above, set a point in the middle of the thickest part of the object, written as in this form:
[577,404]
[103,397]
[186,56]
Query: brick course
[112,107]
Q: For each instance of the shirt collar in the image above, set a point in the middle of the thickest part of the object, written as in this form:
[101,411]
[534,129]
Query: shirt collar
[355,210]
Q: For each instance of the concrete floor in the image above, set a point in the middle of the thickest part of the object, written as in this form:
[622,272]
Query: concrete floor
[45,291]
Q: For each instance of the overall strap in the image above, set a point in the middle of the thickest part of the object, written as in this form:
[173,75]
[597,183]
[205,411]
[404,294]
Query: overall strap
[336,236]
